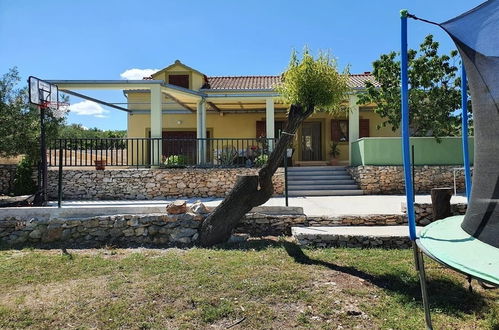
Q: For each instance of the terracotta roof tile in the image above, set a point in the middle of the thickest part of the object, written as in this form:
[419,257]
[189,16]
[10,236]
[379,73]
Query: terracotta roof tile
[269,82]
[243,82]
[359,80]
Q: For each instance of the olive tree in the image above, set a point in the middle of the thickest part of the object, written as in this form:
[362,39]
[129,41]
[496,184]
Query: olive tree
[309,85]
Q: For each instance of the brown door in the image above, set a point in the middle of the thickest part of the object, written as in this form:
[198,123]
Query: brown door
[311,148]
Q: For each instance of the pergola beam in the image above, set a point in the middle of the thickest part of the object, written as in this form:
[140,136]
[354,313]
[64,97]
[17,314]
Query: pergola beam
[179,102]
[86,97]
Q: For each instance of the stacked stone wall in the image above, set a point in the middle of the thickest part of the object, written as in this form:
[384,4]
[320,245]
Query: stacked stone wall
[424,212]
[141,184]
[7,174]
[390,179]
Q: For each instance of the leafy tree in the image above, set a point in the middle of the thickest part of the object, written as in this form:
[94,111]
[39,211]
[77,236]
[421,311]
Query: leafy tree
[20,129]
[80,137]
[309,85]
[434,90]
[20,122]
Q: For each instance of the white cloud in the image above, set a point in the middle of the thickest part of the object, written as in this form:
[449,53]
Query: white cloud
[88,108]
[137,74]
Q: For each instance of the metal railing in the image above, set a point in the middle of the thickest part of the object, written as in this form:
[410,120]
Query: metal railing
[147,152]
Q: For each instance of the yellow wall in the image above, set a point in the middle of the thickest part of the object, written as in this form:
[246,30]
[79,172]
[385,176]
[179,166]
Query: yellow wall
[374,120]
[244,126]
[196,80]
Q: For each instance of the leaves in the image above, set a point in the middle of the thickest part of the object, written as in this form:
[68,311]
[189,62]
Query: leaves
[434,90]
[314,83]
[20,122]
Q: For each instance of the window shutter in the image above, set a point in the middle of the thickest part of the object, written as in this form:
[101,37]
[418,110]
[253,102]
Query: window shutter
[335,130]
[363,128]
[181,80]
[261,129]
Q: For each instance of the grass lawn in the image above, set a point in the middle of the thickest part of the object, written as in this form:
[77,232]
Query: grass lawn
[261,284]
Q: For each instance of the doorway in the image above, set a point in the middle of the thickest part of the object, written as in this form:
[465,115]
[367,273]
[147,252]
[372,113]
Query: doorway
[311,137]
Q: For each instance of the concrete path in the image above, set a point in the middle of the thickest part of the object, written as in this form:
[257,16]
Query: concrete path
[312,205]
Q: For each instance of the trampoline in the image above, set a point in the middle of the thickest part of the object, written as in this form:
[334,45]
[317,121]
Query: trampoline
[468,244]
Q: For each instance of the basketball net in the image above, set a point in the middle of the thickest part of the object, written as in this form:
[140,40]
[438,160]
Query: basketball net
[57,109]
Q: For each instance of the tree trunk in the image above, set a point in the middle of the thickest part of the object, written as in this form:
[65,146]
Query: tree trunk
[250,191]
[440,200]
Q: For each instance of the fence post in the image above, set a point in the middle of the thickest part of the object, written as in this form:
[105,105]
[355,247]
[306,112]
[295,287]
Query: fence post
[59,192]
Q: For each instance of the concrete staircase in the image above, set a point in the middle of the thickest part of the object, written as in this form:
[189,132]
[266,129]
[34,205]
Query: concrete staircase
[321,181]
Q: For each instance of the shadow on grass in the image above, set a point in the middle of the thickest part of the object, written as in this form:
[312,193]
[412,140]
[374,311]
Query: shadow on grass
[444,294]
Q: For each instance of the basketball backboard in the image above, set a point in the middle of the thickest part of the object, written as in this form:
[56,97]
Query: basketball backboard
[46,95]
[42,92]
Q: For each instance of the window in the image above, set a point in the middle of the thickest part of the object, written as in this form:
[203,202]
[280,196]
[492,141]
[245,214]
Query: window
[261,128]
[181,80]
[339,130]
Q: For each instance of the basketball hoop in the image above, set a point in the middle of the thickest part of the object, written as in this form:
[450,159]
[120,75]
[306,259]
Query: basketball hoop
[46,96]
[57,109]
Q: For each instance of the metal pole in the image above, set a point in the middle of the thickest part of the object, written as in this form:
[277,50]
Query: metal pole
[405,126]
[413,176]
[464,128]
[286,177]
[43,155]
[59,194]
[422,281]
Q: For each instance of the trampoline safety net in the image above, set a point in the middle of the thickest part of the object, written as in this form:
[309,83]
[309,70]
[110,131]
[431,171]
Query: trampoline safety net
[476,35]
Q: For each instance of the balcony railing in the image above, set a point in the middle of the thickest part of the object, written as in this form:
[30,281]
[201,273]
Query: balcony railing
[163,152]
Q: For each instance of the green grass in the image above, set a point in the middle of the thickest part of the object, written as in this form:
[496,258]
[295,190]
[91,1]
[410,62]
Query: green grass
[261,284]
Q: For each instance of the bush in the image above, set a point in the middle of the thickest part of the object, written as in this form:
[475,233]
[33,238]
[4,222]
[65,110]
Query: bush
[261,160]
[23,180]
[175,161]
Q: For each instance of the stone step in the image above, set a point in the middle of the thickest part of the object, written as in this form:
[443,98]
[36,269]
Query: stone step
[318,177]
[353,236]
[316,168]
[328,192]
[323,187]
[322,173]
[321,182]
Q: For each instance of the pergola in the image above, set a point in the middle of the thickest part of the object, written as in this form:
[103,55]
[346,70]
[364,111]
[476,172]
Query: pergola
[219,101]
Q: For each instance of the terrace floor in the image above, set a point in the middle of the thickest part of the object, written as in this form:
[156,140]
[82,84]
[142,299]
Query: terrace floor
[312,205]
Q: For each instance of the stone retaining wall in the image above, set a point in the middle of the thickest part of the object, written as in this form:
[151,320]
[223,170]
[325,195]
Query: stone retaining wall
[257,224]
[177,226]
[390,179]
[424,212]
[7,174]
[115,184]
[120,230]
[397,242]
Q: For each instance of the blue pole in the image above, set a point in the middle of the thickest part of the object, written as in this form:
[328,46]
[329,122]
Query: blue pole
[409,193]
[464,128]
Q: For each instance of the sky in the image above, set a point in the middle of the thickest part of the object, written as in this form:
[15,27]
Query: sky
[107,39]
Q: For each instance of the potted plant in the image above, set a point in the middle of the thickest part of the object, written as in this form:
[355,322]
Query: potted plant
[100,164]
[334,153]
[175,161]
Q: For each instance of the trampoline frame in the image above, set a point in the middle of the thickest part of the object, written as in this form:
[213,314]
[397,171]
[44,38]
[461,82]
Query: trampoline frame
[418,248]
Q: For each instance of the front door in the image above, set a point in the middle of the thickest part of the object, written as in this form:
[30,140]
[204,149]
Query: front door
[311,148]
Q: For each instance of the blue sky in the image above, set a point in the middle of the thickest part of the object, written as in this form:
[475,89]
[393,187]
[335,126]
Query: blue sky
[97,39]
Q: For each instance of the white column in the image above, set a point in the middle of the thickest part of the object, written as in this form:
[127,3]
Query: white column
[156,125]
[201,131]
[353,124]
[269,120]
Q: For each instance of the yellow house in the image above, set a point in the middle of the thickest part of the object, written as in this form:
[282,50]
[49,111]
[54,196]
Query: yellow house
[245,108]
